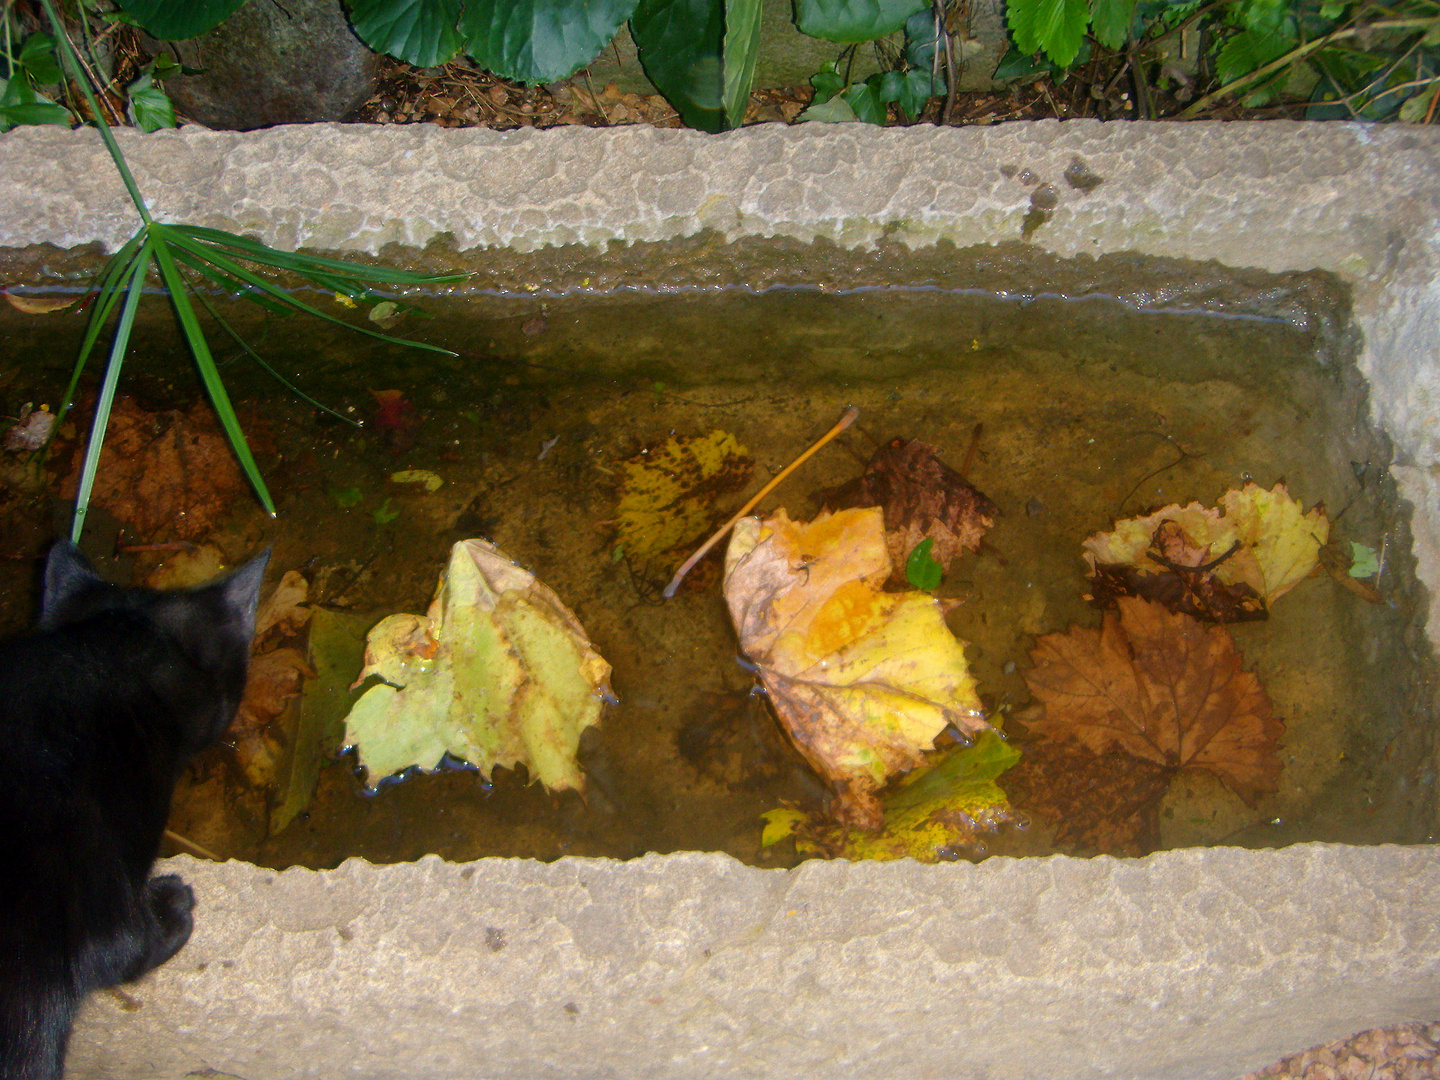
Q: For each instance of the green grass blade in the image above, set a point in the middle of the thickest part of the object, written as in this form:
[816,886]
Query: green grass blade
[231,285]
[229,266]
[209,374]
[134,289]
[107,295]
[265,366]
[254,251]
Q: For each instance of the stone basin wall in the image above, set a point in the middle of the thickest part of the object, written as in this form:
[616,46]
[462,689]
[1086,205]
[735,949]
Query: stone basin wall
[1186,964]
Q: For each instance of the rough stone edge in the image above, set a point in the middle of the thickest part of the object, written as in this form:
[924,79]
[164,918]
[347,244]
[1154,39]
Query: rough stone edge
[1360,201]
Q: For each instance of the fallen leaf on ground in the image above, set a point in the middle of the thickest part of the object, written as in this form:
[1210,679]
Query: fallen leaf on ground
[273,681]
[31,430]
[169,475]
[1225,564]
[938,813]
[862,680]
[922,498]
[285,610]
[1159,686]
[674,495]
[499,672]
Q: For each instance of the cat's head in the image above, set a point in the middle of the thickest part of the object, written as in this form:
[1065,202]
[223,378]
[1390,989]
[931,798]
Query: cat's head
[211,624]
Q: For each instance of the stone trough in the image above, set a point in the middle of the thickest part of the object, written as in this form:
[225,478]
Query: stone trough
[1187,964]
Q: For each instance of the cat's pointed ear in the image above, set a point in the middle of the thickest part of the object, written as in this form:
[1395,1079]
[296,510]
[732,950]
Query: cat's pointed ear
[242,589]
[68,575]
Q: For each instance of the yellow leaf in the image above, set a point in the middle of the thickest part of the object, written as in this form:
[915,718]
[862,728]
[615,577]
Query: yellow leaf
[499,672]
[430,480]
[863,681]
[669,496]
[1284,540]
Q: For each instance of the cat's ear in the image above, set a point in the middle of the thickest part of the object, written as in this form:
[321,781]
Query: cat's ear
[242,591]
[68,576]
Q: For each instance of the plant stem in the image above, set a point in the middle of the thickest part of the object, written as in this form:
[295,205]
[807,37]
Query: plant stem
[77,72]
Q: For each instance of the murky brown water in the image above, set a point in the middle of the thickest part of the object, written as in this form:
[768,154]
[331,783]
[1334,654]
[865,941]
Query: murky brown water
[1089,411]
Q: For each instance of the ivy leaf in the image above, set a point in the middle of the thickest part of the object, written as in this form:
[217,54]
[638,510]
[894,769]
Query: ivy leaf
[1055,26]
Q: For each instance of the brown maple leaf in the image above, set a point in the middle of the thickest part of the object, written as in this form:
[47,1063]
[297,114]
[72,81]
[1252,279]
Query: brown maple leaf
[922,498]
[1163,687]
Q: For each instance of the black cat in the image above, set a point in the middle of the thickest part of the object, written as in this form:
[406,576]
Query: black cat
[99,712]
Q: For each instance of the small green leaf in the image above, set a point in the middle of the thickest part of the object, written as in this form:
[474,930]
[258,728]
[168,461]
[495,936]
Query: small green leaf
[346,497]
[385,513]
[835,111]
[852,21]
[827,83]
[1364,562]
[37,59]
[149,105]
[921,569]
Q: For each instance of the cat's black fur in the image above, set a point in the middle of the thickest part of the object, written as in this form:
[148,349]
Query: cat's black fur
[100,710]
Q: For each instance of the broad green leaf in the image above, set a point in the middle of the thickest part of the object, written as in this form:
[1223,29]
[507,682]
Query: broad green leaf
[539,41]
[742,46]
[420,32]
[827,83]
[864,98]
[1111,20]
[176,20]
[1055,27]
[36,113]
[681,45]
[852,21]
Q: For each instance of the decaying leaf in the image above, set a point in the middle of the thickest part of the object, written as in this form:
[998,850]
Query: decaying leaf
[938,813]
[862,680]
[31,429]
[285,610]
[922,498]
[1225,564]
[1159,686]
[671,498]
[274,679]
[499,672]
[1350,566]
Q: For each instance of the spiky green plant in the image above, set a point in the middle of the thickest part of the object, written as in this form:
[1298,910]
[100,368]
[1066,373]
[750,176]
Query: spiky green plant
[221,258]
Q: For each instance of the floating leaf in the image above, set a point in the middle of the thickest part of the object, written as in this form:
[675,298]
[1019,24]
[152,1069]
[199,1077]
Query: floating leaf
[499,672]
[1223,564]
[1162,687]
[1364,561]
[39,305]
[921,569]
[923,498]
[673,496]
[427,479]
[862,680]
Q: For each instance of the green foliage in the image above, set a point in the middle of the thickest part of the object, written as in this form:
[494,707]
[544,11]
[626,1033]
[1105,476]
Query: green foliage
[531,41]
[176,20]
[853,21]
[28,69]
[1357,59]
[922,570]
[218,257]
[910,85]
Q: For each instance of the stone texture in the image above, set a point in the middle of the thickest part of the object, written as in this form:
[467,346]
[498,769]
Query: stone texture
[1188,964]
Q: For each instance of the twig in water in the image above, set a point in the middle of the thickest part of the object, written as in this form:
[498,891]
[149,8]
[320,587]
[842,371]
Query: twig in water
[689,564]
[192,846]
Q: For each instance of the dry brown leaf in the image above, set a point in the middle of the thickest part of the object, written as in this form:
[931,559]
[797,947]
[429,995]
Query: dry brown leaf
[273,680]
[284,610]
[862,680]
[922,498]
[1163,687]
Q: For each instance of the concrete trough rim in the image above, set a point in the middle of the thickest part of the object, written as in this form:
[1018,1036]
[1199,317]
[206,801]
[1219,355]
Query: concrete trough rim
[1195,963]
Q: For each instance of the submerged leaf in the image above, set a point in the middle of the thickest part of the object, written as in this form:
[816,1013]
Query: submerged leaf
[499,672]
[1159,686]
[938,813]
[923,499]
[1224,564]
[862,680]
[672,498]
